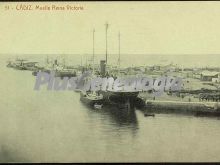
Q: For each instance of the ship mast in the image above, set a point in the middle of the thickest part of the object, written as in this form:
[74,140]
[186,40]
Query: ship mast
[119,53]
[86,62]
[106,42]
[93,57]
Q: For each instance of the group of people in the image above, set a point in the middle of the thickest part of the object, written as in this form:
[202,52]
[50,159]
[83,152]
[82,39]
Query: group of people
[209,97]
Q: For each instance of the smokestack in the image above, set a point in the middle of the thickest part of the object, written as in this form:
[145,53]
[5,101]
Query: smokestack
[102,67]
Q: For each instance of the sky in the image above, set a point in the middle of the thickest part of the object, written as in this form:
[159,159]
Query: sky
[186,33]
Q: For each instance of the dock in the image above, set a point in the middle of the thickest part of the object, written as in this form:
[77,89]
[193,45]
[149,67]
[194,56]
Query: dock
[196,108]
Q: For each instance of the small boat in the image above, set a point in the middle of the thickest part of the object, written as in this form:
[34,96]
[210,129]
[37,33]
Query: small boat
[91,98]
[98,106]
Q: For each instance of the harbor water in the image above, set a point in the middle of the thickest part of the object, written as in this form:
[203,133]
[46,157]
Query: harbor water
[52,126]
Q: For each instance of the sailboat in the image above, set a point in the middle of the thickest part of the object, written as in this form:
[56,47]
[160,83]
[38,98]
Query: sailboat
[121,99]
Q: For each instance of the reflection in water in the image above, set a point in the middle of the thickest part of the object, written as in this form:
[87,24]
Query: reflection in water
[119,118]
[124,117]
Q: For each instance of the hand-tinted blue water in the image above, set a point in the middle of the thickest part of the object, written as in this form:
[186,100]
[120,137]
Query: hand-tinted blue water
[49,126]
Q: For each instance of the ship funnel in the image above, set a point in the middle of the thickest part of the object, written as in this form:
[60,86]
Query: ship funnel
[102,67]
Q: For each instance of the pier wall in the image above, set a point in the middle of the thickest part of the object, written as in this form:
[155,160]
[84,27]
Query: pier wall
[183,107]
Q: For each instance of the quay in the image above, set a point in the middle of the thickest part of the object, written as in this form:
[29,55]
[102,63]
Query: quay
[196,108]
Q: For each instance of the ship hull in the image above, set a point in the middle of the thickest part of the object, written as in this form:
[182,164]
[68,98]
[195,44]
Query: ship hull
[57,73]
[123,99]
[90,102]
[65,74]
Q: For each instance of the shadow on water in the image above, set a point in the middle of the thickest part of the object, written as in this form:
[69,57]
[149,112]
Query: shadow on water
[122,117]
[118,117]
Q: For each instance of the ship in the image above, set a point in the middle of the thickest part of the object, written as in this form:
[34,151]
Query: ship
[22,64]
[59,70]
[121,99]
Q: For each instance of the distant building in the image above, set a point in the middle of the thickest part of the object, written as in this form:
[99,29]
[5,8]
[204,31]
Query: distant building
[149,68]
[210,76]
[157,67]
[170,68]
[188,69]
[216,80]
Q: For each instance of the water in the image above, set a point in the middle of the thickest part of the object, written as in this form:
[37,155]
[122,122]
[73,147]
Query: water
[49,126]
